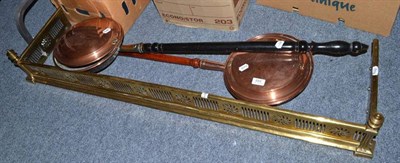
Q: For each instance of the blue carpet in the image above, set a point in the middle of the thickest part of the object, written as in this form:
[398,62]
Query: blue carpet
[40,123]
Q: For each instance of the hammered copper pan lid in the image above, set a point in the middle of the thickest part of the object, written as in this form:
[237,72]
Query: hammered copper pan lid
[88,44]
[268,78]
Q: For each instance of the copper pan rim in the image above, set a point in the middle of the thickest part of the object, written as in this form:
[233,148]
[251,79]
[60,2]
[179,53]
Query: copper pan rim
[93,67]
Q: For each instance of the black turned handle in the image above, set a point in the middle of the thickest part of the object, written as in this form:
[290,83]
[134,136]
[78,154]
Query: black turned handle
[338,48]
[334,48]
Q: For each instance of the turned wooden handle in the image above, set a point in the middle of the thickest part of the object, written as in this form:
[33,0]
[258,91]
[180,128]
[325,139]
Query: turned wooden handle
[194,62]
[332,48]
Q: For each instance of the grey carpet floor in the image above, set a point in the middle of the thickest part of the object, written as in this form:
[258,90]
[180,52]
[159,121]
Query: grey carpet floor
[40,123]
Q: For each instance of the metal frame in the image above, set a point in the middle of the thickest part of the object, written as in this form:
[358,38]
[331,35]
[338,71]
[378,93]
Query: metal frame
[359,138]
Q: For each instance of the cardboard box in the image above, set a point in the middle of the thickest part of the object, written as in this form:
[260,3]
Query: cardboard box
[124,12]
[376,16]
[212,14]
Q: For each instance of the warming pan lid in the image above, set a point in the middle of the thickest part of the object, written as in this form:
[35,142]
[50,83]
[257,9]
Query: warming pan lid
[268,78]
[92,41]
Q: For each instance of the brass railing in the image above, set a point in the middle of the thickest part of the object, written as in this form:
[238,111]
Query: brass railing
[359,138]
